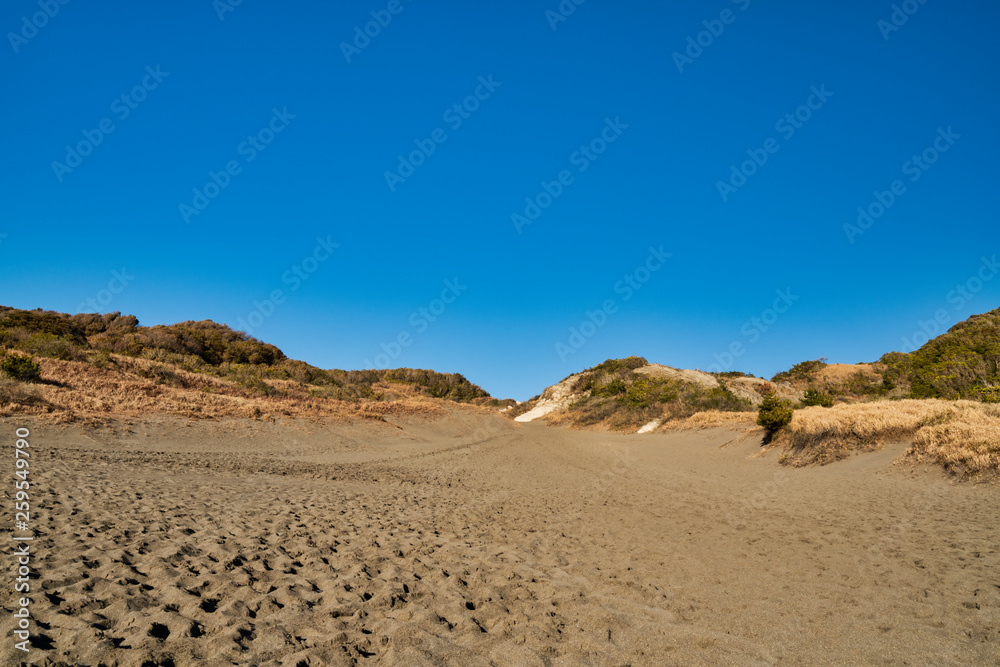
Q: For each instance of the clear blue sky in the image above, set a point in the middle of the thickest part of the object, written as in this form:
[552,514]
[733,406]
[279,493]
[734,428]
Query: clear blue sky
[213,84]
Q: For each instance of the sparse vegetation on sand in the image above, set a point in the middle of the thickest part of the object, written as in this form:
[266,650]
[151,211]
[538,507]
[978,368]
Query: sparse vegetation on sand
[962,436]
[614,395]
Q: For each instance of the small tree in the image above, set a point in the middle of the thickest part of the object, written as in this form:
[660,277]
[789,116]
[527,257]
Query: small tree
[774,414]
[815,397]
[21,367]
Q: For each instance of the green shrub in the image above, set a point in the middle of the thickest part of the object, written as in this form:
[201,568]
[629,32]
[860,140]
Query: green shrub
[21,367]
[101,359]
[815,397]
[774,414]
[51,346]
[617,365]
[36,321]
[801,371]
[643,393]
[987,394]
[613,388]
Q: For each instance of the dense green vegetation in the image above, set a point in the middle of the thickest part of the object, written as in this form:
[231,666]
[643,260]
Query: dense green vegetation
[206,347]
[962,363]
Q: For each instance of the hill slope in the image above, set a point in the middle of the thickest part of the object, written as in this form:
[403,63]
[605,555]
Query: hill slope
[964,362]
[99,364]
[626,394]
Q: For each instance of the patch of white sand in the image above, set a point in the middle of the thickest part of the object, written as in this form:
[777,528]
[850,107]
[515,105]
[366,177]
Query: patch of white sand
[556,397]
[650,427]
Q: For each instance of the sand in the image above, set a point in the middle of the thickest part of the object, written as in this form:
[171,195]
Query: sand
[472,540]
[554,399]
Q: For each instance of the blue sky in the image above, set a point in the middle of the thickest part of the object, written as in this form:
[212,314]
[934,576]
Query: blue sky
[631,140]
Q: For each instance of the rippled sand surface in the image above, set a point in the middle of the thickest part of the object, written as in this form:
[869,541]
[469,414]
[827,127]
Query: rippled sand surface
[472,540]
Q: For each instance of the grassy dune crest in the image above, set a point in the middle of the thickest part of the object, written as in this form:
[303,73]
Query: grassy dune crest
[962,436]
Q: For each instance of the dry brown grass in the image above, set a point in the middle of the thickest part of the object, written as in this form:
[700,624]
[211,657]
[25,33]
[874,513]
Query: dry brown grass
[962,436]
[73,391]
[18,393]
[834,374]
[710,418]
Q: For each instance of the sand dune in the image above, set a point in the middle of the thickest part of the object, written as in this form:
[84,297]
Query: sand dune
[476,541]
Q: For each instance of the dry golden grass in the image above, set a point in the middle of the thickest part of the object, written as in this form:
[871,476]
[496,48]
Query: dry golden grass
[73,391]
[836,374]
[710,418]
[962,436]
[967,440]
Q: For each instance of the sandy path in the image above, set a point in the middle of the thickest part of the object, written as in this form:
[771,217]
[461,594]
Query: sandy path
[487,543]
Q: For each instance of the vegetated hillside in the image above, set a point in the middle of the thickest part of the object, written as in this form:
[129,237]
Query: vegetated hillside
[188,357]
[964,362]
[624,394]
[824,384]
[941,395]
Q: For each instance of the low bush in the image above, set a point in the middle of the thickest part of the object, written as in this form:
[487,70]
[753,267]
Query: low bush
[51,346]
[21,368]
[815,397]
[803,371]
[774,414]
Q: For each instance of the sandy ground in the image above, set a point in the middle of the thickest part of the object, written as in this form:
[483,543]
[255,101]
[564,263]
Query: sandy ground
[475,541]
